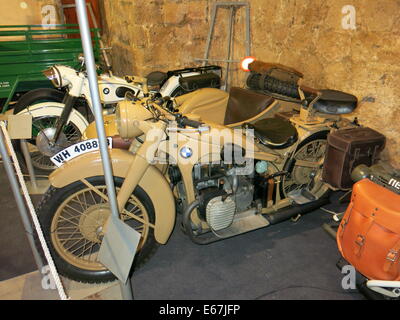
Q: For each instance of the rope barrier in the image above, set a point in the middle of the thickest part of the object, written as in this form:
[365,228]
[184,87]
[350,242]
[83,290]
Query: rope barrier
[49,259]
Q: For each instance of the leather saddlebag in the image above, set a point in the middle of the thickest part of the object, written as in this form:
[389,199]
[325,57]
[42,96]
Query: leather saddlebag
[369,234]
[348,148]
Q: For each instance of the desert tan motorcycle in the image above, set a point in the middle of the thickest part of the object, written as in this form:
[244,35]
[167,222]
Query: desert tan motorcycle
[223,180]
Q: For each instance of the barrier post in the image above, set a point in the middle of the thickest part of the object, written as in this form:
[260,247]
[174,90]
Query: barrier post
[126,288]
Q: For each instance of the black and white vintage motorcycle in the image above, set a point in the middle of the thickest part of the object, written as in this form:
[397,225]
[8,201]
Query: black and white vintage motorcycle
[61,115]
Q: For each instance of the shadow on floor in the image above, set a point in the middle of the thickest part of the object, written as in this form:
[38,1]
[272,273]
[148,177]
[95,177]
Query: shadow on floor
[15,253]
[285,261]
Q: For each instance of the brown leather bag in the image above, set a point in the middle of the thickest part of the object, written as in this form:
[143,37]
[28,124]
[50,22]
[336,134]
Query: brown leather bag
[348,148]
[369,234]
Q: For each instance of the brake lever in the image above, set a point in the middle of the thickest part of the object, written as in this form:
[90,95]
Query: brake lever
[161,100]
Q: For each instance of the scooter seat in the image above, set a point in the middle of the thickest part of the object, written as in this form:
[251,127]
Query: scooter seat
[274,133]
[335,102]
[156,78]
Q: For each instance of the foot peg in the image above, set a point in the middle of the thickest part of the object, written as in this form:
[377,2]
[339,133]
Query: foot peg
[301,196]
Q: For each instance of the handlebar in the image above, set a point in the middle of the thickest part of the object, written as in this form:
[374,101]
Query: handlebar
[184,121]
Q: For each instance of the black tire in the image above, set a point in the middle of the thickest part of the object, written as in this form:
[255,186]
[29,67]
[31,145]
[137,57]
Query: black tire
[322,135]
[37,96]
[47,208]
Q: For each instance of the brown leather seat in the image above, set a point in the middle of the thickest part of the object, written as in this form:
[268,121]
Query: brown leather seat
[245,104]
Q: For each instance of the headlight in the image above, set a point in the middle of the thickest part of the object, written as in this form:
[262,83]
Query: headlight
[53,74]
[126,115]
[360,172]
[244,64]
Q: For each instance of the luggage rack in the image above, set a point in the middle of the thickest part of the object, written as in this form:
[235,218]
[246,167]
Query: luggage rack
[202,69]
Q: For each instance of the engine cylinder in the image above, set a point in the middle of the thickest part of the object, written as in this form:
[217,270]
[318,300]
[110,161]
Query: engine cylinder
[220,212]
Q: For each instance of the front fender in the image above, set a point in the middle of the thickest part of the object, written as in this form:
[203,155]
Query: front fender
[47,109]
[153,183]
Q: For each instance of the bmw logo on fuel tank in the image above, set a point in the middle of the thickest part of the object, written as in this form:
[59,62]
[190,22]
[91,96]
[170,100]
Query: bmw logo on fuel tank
[186,152]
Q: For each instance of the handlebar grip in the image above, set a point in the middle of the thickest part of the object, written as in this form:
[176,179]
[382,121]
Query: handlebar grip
[191,123]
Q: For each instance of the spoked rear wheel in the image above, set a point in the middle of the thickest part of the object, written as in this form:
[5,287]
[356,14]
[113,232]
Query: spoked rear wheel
[73,220]
[307,169]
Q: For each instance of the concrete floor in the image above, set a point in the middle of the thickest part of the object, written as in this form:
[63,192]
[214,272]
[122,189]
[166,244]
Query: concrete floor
[286,261]
[18,278]
[29,287]
[15,253]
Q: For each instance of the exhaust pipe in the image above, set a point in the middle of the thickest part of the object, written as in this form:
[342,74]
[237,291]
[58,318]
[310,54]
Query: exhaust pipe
[274,218]
[286,214]
[203,239]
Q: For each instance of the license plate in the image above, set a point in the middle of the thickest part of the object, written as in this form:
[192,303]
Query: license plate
[77,149]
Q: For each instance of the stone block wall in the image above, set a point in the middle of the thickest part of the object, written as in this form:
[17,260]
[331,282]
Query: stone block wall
[21,12]
[316,37]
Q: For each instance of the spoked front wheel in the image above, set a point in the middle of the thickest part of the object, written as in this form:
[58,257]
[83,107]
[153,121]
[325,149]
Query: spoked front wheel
[73,220]
[44,129]
[41,148]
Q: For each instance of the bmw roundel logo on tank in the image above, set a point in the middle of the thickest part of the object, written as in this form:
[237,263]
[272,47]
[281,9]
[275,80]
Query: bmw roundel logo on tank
[186,152]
